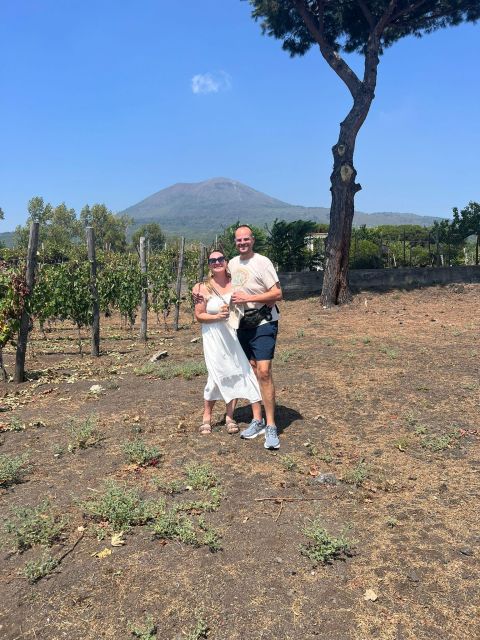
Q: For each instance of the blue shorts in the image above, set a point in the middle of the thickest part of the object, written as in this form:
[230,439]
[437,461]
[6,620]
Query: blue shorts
[259,342]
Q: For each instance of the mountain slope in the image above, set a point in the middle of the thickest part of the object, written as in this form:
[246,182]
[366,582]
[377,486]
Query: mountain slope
[202,209]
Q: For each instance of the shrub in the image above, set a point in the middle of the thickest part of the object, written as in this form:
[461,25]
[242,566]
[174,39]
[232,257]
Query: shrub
[35,570]
[34,525]
[200,476]
[323,547]
[137,452]
[122,508]
[12,469]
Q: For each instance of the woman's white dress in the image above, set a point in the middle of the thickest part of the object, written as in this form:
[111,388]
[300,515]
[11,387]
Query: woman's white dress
[230,374]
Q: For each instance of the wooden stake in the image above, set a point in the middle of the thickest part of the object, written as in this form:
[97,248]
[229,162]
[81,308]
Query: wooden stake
[144,301]
[179,283]
[93,290]
[25,318]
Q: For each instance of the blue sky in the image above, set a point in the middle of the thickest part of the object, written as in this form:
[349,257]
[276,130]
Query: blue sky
[112,100]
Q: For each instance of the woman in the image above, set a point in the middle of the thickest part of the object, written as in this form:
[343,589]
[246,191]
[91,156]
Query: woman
[230,375]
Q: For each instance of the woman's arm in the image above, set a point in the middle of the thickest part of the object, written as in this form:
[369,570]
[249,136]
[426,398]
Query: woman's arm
[200,297]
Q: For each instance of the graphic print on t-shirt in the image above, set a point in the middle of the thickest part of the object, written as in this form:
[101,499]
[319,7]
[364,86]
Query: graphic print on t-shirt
[240,277]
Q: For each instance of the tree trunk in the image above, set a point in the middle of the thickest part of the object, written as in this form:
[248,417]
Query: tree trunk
[335,288]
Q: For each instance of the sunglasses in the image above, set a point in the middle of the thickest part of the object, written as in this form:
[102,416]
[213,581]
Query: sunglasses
[220,260]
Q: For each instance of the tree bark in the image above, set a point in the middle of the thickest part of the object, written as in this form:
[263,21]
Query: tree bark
[335,288]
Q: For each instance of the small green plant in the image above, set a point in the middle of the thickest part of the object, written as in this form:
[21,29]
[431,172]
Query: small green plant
[211,538]
[58,451]
[323,547]
[12,469]
[402,443]
[366,340]
[34,525]
[410,419]
[170,488]
[83,434]
[148,630]
[172,525]
[287,355]
[35,570]
[440,443]
[200,476]
[137,452]
[391,353]
[326,457]
[391,522]
[200,631]
[288,462]
[300,333]
[329,342]
[201,506]
[188,370]
[312,448]
[122,508]
[357,475]
[420,430]
[16,424]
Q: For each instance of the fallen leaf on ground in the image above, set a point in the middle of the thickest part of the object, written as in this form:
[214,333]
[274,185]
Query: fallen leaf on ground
[117,540]
[103,553]
[370,595]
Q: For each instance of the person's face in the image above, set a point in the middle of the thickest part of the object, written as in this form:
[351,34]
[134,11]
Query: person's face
[244,241]
[217,262]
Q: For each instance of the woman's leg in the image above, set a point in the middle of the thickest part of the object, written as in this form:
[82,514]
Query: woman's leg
[230,408]
[207,410]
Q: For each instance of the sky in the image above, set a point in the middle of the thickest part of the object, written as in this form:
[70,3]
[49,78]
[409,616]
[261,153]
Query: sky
[112,100]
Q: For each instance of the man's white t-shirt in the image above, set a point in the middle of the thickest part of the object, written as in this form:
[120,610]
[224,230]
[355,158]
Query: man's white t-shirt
[253,276]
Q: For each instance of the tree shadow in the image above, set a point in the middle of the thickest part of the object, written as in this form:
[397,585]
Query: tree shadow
[284,416]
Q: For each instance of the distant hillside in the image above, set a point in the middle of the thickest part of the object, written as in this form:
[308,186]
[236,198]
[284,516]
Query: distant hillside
[6,238]
[202,209]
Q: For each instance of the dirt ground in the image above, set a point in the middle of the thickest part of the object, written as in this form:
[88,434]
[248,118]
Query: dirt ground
[383,394]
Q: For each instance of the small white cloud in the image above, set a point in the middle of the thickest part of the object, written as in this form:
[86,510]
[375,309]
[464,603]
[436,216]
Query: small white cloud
[211,82]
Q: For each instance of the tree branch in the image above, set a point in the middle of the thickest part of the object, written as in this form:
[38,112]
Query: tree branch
[366,12]
[385,19]
[316,30]
[408,9]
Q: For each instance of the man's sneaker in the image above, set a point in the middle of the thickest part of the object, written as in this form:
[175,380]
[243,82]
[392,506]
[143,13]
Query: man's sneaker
[271,438]
[255,429]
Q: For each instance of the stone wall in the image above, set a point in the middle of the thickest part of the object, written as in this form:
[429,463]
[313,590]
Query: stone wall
[309,283]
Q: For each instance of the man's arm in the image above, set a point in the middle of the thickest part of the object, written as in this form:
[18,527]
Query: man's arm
[270,297]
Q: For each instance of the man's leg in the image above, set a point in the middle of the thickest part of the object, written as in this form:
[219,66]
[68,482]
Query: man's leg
[256,406]
[263,371]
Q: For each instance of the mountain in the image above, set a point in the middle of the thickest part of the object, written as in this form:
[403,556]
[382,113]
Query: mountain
[6,239]
[202,209]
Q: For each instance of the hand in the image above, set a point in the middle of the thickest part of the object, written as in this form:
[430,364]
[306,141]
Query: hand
[223,313]
[239,297]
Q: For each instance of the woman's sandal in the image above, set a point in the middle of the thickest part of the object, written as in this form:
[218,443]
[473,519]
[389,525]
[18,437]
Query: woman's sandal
[232,426]
[205,429]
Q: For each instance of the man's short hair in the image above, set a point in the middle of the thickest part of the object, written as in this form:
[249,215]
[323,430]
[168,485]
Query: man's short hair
[244,226]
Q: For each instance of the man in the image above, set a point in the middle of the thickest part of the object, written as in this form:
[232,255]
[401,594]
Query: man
[255,284]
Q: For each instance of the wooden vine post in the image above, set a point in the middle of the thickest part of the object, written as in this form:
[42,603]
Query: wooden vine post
[201,263]
[25,318]
[94,292]
[144,298]
[178,288]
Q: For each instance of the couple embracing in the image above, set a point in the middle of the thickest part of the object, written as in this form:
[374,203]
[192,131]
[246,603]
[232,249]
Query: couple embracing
[237,309]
